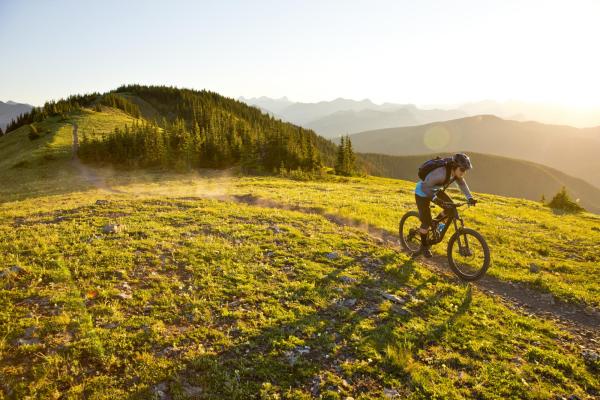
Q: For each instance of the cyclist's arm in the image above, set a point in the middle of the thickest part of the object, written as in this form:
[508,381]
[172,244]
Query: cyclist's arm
[462,184]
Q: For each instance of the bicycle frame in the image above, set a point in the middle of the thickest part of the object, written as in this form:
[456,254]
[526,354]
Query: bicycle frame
[453,219]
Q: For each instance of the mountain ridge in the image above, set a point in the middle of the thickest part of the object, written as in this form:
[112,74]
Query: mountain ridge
[11,110]
[569,149]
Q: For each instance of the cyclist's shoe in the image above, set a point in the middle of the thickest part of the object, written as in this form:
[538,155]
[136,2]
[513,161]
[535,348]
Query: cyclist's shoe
[424,251]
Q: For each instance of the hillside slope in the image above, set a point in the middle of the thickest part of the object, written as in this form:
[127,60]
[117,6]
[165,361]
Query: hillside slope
[197,295]
[571,150]
[495,175]
[44,166]
[189,129]
[194,297]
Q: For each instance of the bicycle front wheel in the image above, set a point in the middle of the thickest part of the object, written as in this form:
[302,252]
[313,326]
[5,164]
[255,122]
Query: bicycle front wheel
[468,254]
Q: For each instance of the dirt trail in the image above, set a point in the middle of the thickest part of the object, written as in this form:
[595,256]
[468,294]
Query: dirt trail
[582,322]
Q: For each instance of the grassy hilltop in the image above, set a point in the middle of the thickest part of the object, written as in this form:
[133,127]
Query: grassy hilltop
[195,295]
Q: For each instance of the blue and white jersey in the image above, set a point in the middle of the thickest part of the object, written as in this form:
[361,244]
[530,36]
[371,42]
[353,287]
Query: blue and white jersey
[434,181]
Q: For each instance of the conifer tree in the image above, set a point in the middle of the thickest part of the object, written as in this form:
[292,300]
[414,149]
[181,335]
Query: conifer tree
[562,202]
[345,159]
[350,157]
[340,166]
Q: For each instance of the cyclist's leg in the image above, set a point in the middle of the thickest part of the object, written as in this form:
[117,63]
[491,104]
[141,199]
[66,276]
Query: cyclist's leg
[442,197]
[424,216]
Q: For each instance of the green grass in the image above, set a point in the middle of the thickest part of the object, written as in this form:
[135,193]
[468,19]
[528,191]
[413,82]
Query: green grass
[43,166]
[520,233]
[245,302]
[240,300]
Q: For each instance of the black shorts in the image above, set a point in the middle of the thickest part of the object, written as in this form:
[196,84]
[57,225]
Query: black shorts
[424,209]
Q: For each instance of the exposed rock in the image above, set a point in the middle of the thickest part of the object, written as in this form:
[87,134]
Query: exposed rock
[391,393]
[534,268]
[393,297]
[22,341]
[169,351]
[332,256]
[590,356]
[349,303]
[234,303]
[19,221]
[347,279]
[29,332]
[101,202]
[14,270]
[400,310]
[315,386]
[113,228]
[28,339]
[293,355]
[370,263]
[160,390]
[191,391]
[124,296]
[275,229]
[368,311]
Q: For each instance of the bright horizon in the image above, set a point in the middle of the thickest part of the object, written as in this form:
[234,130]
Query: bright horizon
[430,53]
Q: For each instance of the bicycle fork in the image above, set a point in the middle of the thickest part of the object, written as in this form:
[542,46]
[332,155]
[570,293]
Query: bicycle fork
[463,244]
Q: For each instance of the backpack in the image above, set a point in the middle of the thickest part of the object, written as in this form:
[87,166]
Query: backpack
[432,164]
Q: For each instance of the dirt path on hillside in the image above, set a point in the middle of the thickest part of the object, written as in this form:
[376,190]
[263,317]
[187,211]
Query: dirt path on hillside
[583,322]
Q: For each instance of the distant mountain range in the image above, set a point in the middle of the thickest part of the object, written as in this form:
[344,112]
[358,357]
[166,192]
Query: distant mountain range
[571,150]
[348,122]
[496,175]
[544,113]
[344,116]
[267,104]
[11,110]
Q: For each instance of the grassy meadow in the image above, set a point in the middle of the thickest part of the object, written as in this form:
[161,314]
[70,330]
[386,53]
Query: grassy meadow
[193,297]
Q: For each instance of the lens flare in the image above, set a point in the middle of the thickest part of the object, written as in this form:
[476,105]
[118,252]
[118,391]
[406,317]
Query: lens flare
[436,138]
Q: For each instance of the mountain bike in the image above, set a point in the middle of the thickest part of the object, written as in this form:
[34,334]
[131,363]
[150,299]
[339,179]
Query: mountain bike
[468,252]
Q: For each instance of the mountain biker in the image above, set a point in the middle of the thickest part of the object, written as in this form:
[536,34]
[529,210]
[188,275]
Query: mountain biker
[428,190]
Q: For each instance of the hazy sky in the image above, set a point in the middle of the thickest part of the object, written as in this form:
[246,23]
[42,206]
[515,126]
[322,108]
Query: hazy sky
[423,52]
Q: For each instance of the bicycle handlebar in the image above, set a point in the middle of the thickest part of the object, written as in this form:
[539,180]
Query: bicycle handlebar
[454,205]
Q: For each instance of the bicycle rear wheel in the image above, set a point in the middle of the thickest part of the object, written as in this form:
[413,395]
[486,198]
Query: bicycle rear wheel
[468,254]
[409,231]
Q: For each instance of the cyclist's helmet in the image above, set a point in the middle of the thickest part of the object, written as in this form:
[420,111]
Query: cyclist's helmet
[462,160]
